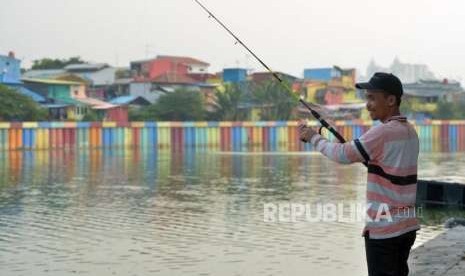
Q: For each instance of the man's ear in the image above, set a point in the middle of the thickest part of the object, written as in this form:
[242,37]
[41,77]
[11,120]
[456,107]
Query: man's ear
[392,100]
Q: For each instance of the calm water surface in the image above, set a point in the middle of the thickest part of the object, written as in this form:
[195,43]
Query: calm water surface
[137,212]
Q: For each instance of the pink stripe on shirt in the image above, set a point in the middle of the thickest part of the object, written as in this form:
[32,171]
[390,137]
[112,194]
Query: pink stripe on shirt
[390,172]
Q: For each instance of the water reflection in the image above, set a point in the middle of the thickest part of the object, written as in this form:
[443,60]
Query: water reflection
[182,212]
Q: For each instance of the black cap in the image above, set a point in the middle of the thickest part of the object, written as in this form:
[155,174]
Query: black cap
[383,81]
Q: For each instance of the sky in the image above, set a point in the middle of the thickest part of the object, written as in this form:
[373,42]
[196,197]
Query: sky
[288,35]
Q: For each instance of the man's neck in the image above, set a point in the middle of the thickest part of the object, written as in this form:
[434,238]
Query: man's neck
[392,114]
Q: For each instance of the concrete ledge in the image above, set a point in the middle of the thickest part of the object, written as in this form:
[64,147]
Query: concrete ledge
[442,256]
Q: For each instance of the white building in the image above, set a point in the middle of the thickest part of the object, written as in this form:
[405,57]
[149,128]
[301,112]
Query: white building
[407,73]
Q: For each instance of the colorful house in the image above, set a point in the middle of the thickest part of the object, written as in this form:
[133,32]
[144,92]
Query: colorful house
[70,101]
[151,90]
[234,75]
[124,103]
[333,87]
[150,69]
[164,74]
[330,86]
[56,89]
[99,77]
[10,69]
[64,95]
[10,76]
[322,74]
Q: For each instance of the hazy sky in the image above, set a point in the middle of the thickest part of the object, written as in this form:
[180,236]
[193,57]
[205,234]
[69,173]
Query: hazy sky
[289,35]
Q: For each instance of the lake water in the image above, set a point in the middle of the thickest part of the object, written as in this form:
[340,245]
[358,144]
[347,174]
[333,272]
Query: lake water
[133,212]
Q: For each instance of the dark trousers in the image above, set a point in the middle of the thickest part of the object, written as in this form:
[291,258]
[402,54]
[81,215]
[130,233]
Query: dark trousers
[388,257]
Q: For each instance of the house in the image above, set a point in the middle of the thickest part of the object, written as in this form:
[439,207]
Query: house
[147,90]
[333,87]
[175,81]
[61,111]
[234,75]
[56,89]
[433,91]
[322,74]
[62,94]
[150,69]
[10,69]
[10,75]
[43,73]
[122,86]
[260,77]
[105,111]
[346,76]
[330,86]
[99,77]
[70,101]
[424,95]
[152,89]
[125,103]
[164,74]
[135,101]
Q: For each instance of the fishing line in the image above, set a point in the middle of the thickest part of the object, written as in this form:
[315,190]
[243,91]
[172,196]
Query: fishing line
[315,114]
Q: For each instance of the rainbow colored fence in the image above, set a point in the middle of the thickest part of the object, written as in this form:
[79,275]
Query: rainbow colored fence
[436,136]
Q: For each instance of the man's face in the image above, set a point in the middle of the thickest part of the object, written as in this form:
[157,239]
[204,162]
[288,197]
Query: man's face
[378,104]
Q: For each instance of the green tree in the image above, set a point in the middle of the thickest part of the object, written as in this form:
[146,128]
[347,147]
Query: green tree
[275,102]
[145,113]
[406,107]
[181,105]
[90,116]
[227,104]
[137,114]
[449,111]
[18,107]
[49,63]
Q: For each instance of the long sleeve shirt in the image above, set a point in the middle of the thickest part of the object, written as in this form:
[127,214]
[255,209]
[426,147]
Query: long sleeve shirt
[390,151]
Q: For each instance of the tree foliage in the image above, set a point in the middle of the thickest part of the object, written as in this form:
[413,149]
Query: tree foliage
[181,105]
[18,107]
[441,110]
[275,102]
[49,63]
[227,104]
[450,111]
[90,116]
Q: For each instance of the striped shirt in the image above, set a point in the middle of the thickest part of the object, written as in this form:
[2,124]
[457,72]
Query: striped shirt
[390,151]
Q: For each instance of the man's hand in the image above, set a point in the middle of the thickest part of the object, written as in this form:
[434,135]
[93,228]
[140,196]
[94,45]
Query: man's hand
[305,133]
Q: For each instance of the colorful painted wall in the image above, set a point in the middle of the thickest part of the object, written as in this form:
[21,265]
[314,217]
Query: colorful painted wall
[436,136]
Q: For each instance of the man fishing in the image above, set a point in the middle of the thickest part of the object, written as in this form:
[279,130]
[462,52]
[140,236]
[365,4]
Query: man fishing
[390,151]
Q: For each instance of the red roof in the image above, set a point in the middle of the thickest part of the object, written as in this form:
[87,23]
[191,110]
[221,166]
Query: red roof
[173,78]
[183,60]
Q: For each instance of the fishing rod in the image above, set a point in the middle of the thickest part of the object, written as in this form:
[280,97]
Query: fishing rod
[315,114]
